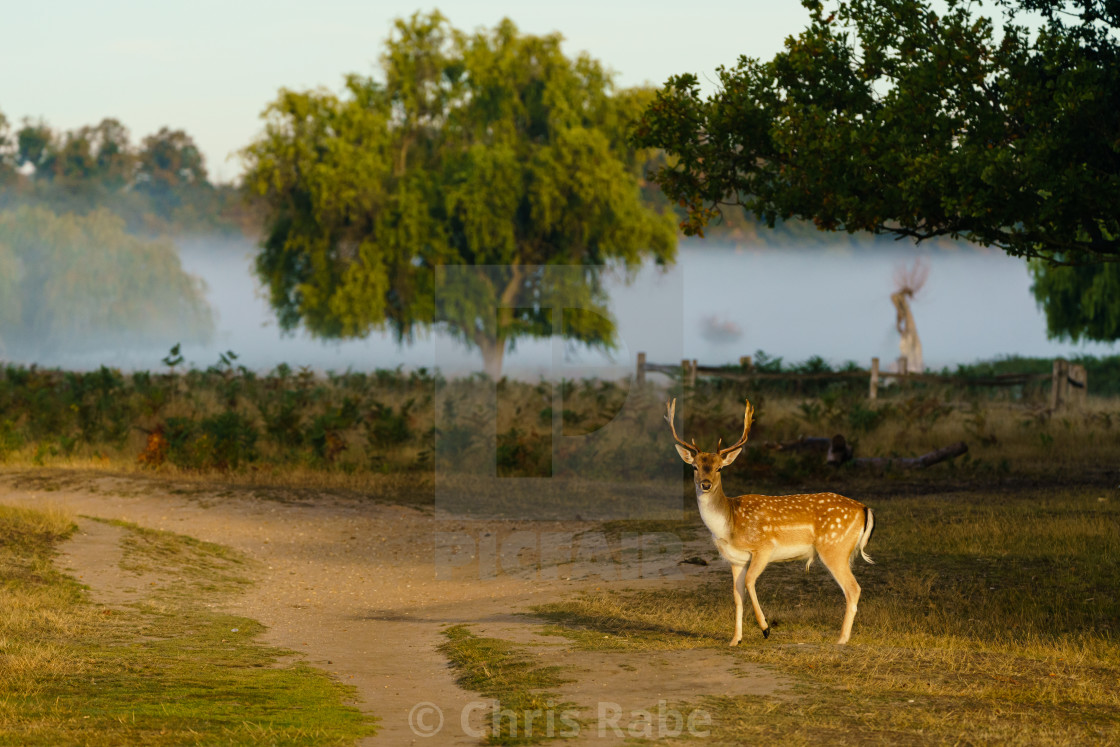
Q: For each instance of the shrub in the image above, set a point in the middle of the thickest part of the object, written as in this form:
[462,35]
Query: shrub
[232,439]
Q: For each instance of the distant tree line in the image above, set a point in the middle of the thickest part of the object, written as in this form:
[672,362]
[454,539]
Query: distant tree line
[159,185]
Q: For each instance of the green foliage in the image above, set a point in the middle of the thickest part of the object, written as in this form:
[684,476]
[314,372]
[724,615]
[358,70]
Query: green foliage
[10,438]
[1103,371]
[1080,302]
[233,437]
[326,430]
[220,418]
[864,419]
[222,441]
[840,409]
[890,117]
[387,421]
[521,454]
[386,426]
[922,411]
[68,282]
[485,149]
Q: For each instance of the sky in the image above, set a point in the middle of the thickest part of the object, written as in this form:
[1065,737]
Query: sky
[210,67]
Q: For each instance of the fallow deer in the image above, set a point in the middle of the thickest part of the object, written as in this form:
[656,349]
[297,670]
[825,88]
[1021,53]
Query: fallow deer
[759,529]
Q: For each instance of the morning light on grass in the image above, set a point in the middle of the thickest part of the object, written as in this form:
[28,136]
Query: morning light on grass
[515,383]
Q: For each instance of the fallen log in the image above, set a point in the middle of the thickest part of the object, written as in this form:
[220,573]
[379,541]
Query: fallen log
[925,460]
[838,451]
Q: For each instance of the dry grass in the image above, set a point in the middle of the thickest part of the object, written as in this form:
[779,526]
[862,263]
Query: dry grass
[38,610]
[161,671]
[1002,435]
[987,619]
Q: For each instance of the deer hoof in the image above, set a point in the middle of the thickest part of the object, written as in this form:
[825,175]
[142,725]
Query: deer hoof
[734,641]
[766,632]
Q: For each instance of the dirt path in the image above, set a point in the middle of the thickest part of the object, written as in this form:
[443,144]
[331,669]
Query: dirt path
[361,589]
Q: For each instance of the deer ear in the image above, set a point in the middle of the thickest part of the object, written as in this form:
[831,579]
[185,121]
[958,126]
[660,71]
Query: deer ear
[731,457]
[686,455]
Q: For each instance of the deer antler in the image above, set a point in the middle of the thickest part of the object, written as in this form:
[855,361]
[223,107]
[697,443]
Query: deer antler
[671,412]
[748,417]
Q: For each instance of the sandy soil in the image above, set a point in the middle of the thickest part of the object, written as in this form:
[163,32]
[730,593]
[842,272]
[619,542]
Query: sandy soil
[364,589]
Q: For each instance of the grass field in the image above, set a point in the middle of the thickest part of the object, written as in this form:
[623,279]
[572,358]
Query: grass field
[988,618]
[162,671]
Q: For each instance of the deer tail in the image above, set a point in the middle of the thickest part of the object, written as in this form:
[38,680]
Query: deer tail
[865,535]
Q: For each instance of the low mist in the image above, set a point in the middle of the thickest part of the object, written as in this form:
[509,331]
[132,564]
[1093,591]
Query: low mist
[717,304]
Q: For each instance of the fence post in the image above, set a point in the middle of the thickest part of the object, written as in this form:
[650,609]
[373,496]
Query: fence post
[1077,385]
[746,362]
[1059,384]
[874,392]
[692,373]
[685,370]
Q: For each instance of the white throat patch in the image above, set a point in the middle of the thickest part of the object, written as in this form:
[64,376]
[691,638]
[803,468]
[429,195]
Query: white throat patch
[713,517]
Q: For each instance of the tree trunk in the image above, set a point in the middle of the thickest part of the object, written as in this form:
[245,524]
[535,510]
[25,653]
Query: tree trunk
[839,451]
[494,350]
[925,460]
[492,353]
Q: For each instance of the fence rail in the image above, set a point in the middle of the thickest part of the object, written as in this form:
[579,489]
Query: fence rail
[1069,382]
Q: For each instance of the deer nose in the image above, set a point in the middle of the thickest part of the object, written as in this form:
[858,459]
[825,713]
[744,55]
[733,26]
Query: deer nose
[705,485]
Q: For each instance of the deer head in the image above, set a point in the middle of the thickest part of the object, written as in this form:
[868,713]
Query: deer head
[708,464]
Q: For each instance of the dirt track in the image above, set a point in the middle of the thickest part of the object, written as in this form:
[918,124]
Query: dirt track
[354,585]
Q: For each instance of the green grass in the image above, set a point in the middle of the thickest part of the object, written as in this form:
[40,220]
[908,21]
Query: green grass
[199,567]
[501,670]
[162,671]
[987,619]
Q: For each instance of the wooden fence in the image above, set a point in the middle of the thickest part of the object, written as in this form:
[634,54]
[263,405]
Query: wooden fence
[1069,382]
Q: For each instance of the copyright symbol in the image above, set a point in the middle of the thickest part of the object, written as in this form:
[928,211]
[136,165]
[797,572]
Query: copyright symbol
[425,719]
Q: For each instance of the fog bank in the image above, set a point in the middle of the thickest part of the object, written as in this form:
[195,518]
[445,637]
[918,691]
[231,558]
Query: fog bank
[716,304]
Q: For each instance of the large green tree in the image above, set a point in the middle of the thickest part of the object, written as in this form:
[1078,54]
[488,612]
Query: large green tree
[890,117]
[489,149]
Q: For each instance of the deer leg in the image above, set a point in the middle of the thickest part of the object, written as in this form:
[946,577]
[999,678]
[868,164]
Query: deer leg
[738,573]
[838,565]
[757,566]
